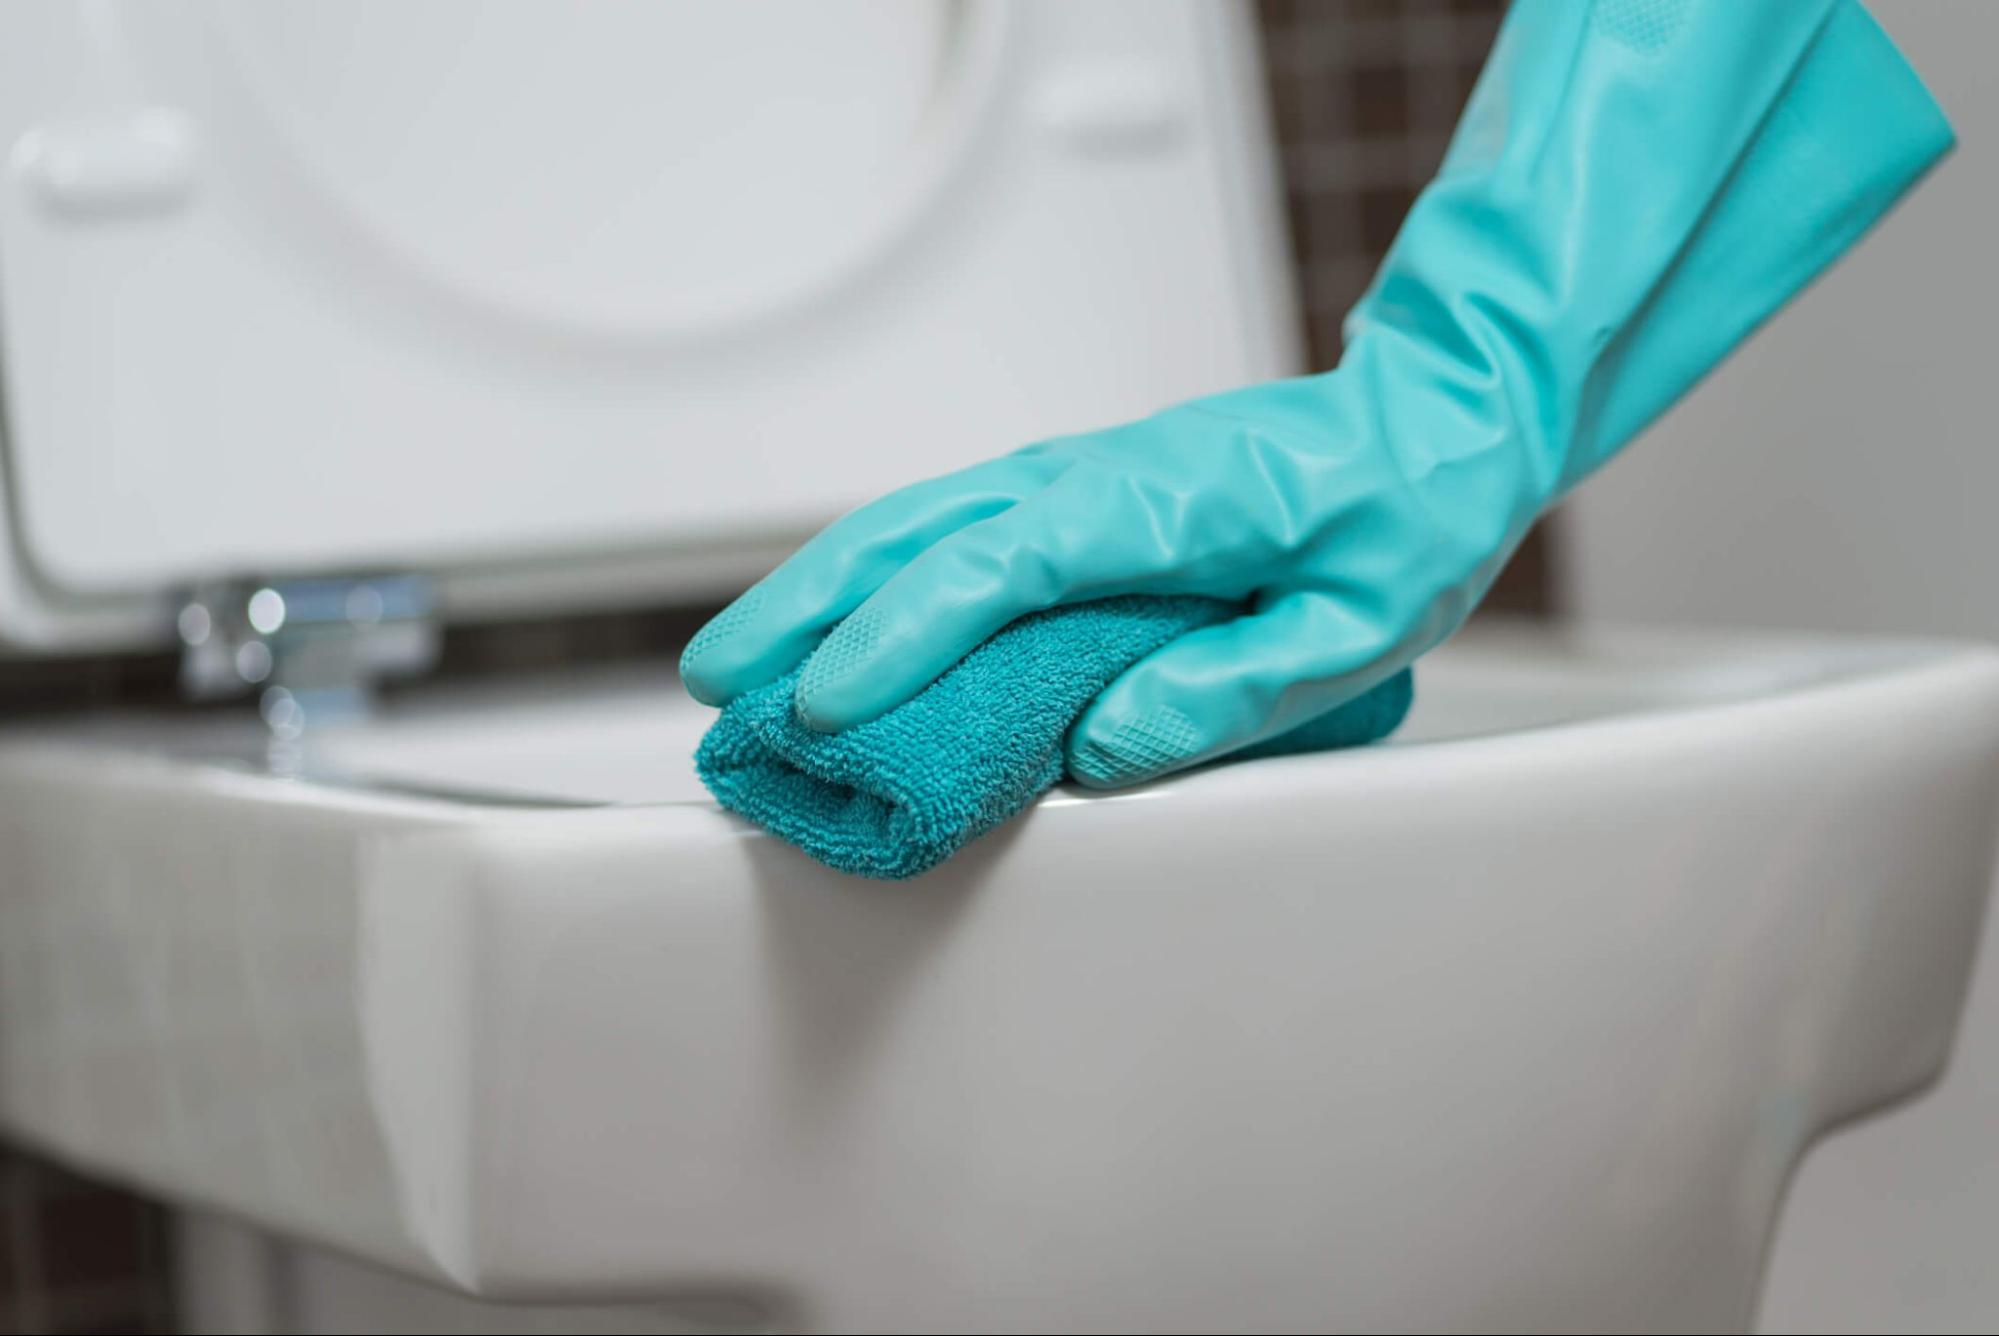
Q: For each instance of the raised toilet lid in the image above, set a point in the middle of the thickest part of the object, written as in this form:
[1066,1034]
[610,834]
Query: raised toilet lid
[612,301]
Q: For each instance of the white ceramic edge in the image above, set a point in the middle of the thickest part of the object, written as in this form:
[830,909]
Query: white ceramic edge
[455,923]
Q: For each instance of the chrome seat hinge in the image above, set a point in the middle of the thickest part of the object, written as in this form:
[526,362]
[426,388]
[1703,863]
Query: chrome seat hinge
[312,650]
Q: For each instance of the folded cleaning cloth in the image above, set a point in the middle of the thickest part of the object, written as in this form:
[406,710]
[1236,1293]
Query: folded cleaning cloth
[898,795]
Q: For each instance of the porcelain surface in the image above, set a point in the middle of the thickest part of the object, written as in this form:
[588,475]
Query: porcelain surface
[1521,1021]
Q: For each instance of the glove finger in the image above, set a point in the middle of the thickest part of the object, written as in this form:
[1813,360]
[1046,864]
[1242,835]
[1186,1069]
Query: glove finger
[1090,535]
[1222,688]
[778,621]
[926,617]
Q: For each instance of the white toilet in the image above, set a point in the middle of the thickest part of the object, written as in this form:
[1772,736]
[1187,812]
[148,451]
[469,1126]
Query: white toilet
[323,325]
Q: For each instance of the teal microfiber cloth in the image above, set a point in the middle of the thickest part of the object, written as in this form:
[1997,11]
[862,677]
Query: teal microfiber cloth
[900,794]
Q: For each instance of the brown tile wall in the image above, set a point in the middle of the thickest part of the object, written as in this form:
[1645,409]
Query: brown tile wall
[77,1256]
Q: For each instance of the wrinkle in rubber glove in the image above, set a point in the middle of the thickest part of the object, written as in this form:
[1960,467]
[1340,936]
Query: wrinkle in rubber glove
[895,797]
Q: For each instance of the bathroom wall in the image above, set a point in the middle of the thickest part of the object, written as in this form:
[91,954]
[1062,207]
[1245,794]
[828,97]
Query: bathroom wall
[1364,94]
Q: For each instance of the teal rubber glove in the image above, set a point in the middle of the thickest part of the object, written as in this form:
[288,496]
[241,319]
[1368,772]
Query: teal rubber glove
[1636,184]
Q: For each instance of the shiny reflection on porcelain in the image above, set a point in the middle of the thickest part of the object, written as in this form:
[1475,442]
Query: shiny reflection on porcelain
[1518,1022]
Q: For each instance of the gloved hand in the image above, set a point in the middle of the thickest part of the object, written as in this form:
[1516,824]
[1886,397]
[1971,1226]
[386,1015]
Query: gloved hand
[1635,185]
